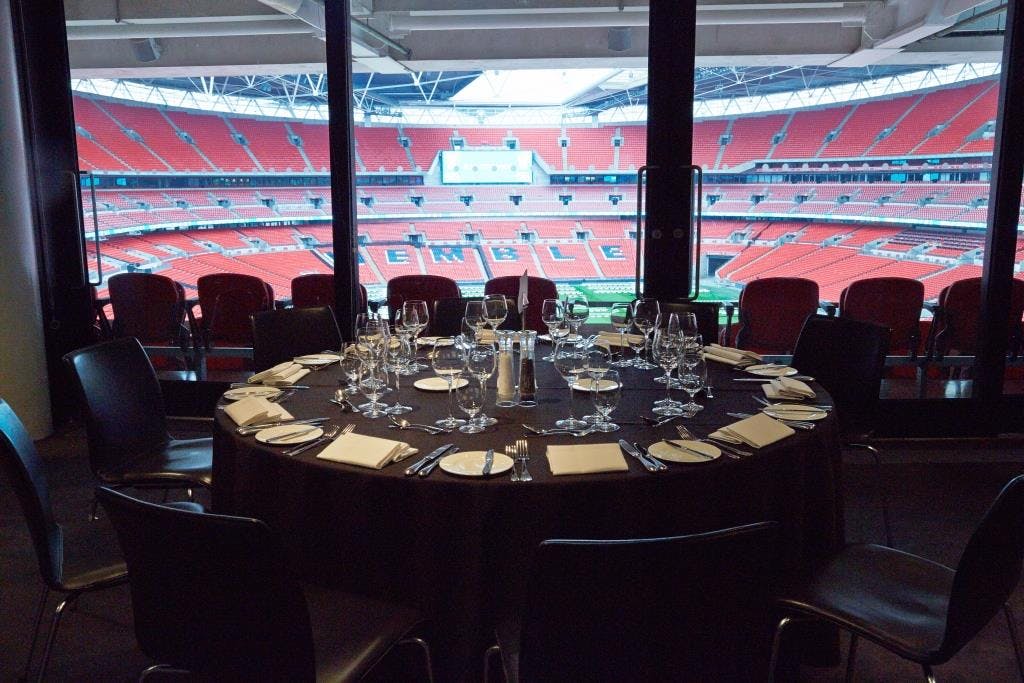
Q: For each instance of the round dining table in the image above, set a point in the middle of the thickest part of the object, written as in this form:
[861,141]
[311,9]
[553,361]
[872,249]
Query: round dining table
[459,548]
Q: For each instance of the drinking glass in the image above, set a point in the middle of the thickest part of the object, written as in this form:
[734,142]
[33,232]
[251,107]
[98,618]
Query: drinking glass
[571,363]
[371,384]
[622,320]
[495,310]
[689,325]
[350,364]
[475,315]
[577,310]
[481,361]
[606,393]
[598,363]
[636,342]
[552,314]
[666,352]
[416,316]
[448,363]
[471,402]
[693,379]
[400,355]
[646,316]
[672,331]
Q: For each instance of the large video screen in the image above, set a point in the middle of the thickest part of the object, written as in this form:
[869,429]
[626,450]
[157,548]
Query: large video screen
[499,166]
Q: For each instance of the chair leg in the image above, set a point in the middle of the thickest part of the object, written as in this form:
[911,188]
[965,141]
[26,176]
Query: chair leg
[1012,625]
[776,646]
[882,498]
[92,510]
[52,635]
[929,675]
[149,670]
[35,631]
[488,657]
[422,645]
[851,658]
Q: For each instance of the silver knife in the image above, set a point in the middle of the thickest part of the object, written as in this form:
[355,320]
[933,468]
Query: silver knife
[488,461]
[650,458]
[284,438]
[432,465]
[252,429]
[688,450]
[628,447]
[426,460]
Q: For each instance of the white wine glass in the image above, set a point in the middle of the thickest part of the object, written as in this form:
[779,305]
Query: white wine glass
[448,363]
[495,310]
[471,401]
[646,316]
[622,319]
[665,350]
[571,363]
[481,361]
[693,379]
[605,393]
[552,314]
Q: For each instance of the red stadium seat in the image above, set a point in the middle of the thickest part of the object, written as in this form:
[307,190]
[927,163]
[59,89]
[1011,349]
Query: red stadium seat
[955,330]
[227,301]
[313,291]
[772,313]
[427,288]
[150,308]
[538,289]
[894,302]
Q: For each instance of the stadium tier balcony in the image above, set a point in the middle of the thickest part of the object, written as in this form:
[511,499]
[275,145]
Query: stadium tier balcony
[322,234]
[394,260]
[865,124]
[751,139]
[746,256]
[106,131]
[159,136]
[505,259]
[425,143]
[92,157]
[816,233]
[938,212]
[270,143]
[482,137]
[543,142]
[720,229]
[616,258]
[315,143]
[806,132]
[383,232]
[181,241]
[770,262]
[707,137]
[497,230]
[970,120]
[633,152]
[275,237]
[225,239]
[819,260]
[590,149]
[864,235]
[458,262]
[213,136]
[565,261]
[934,108]
[379,149]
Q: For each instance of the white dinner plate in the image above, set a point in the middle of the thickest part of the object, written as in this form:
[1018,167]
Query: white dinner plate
[587,384]
[663,451]
[791,411]
[305,434]
[471,463]
[770,370]
[439,384]
[317,359]
[248,392]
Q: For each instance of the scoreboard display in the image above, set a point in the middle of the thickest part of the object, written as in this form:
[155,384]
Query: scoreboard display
[490,167]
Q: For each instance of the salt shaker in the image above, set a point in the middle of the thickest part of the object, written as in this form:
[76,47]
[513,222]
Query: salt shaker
[506,396]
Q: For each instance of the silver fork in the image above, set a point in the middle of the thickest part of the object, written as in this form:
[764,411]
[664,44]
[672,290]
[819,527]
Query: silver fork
[510,451]
[764,402]
[729,450]
[523,454]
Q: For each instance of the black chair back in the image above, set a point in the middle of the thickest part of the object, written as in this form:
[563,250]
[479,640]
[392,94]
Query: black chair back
[847,357]
[121,401]
[212,594]
[281,335]
[649,609]
[989,569]
[24,473]
[706,312]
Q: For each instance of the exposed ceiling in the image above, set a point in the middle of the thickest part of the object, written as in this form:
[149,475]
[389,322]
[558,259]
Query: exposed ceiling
[115,38]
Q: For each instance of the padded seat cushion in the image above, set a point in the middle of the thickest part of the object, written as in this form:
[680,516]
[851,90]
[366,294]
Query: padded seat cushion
[188,461]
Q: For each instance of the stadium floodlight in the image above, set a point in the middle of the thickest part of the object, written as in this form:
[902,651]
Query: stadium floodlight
[147,49]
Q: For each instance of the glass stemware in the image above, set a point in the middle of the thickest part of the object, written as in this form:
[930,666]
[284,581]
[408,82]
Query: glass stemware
[646,316]
[474,318]
[350,364]
[471,402]
[598,364]
[371,384]
[672,331]
[605,394]
[577,310]
[552,314]
[448,363]
[622,319]
[481,361]
[688,325]
[571,363]
[416,317]
[495,310]
[666,352]
[693,380]
[400,355]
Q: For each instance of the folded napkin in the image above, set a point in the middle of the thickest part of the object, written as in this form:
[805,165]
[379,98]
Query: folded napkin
[365,451]
[281,374]
[757,431]
[787,388]
[613,339]
[586,459]
[255,410]
[729,355]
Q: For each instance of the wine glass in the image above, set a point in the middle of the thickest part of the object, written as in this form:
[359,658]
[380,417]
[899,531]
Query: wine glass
[371,384]
[448,363]
[350,364]
[666,352]
[646,316]
[552,314]
[399,356]
[481,360]
[577,310]
[495,310]
[598,364]
[471,402]
[672,331]
[605,393]
[416,316]
[689,325]
[622,319]
[474,316]
[571,363]
[693,380]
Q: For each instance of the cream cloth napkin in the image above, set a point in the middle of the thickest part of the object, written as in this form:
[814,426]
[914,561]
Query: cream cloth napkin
[281,374]
[586,459]
[782,388]
[612,338]
[254,410]
[729,355]
[365,451]
[757,431]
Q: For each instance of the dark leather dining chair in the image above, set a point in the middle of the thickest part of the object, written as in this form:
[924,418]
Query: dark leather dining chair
[772,311]
[283,334]
[893,302]
[215,596]
[604,610]
[446,320]
[428,288]
[537,289]
[847,357]
[317,289]
[125,422]
[23,471]
[913,607]
[706,312]
[227,302]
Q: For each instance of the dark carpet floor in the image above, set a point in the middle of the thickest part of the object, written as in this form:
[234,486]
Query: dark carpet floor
[936,498]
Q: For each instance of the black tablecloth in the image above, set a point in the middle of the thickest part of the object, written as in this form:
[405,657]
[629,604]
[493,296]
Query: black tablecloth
[459,548]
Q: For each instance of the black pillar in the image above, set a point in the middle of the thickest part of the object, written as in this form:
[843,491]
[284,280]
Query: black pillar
[670,75]
[1003,216]
[343,177]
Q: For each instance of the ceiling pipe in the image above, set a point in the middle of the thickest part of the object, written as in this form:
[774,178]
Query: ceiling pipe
[402,23]
[188,30]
